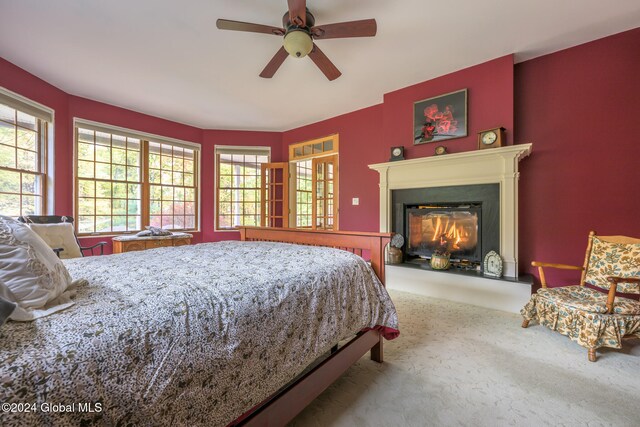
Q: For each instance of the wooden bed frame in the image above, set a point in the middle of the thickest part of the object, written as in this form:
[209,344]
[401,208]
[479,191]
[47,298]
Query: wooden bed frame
[284,406]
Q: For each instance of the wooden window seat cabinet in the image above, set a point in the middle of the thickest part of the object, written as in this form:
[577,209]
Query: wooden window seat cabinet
[140,243]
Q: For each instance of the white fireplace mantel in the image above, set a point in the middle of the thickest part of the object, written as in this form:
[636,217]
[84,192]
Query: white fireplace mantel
[489,166]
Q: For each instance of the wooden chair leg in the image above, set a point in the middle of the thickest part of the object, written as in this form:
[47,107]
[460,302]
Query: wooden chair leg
[525,323]
[592,355]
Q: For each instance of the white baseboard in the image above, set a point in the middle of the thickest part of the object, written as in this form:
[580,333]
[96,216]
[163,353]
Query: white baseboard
[503,295]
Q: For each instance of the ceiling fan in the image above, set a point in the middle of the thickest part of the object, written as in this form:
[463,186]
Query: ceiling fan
[299,32]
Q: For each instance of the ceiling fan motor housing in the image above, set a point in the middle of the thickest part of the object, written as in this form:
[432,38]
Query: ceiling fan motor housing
[286,23]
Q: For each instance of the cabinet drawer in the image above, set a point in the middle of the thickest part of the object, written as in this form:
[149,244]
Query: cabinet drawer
[158,243]
[133,246]
[181,242]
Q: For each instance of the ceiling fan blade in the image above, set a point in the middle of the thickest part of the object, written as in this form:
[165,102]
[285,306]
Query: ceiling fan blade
[298,12]
[324,63]
[274,64]
[364,28]
[225,24]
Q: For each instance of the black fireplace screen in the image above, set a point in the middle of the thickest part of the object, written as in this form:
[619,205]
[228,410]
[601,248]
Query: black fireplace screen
[452,229]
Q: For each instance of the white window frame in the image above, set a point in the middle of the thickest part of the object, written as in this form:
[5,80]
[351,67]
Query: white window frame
[46,114]
[232,149]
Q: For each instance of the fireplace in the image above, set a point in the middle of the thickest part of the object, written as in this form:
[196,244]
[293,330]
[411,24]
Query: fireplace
[452,228]
[485,177]
[463,220]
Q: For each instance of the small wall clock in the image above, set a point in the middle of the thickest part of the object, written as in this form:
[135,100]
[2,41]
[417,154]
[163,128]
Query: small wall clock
[397,153]
[491,138]
[440,150]
[493,264]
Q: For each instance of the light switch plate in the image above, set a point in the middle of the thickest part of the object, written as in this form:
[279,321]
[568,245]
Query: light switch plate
[355,201]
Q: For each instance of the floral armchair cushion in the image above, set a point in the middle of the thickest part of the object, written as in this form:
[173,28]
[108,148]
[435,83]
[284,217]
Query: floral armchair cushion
[613,259]
[587,300]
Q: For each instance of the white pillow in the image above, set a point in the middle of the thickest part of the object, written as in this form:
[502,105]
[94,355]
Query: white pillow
[30,269]
[59,235]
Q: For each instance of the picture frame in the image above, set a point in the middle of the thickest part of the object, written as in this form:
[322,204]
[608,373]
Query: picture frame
[440,118]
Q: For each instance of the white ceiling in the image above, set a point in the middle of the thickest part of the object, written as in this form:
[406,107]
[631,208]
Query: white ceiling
[168,59]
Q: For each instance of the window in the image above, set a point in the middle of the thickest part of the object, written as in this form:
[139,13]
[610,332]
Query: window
[172,174]
[238,172]
[304,194]
[23,135]
[126,181]
[316,183]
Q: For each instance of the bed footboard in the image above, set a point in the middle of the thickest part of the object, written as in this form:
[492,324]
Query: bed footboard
[367,245]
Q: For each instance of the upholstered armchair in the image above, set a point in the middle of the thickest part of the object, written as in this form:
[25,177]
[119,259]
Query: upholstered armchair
[59,233]
[603,308]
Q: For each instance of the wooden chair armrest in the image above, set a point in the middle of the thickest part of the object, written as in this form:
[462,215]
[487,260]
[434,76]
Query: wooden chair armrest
[616,280]
[611,297]
[552,265]
[540,265]
[99,244]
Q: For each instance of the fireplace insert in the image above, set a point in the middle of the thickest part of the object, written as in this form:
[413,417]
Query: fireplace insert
[452,228]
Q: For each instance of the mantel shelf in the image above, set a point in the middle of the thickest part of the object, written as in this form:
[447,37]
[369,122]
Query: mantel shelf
[518,151]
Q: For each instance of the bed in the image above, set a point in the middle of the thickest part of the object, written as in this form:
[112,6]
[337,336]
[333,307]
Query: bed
[209,334]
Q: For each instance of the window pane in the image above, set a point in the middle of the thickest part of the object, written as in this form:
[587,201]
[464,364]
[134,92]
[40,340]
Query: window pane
[156,221]
[103,189]
[119,156]
[9,182]
[30,184]
[7,114]
[103,171]
[119,223]
[103,154]
[86,188]
[7,134]
[85,169]
[103,224]
[20,151]
[155,207]
[119,190]
[10,204]
[86,152]
[85,135]
[27,139]
[7,156]
[134,223]
[86,206]
[86,224]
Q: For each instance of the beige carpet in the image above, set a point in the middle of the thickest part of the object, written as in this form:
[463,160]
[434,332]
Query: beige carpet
[461,365]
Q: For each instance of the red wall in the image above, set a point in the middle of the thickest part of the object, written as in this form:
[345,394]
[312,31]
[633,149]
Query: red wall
[68,106]
[489,98]
[361,142]
[580,108]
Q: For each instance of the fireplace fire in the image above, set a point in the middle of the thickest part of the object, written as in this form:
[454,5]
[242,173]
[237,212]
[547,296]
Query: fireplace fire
[452,229]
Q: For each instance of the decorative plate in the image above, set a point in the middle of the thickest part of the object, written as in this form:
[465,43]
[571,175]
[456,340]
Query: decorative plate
[397,240]
[493,264]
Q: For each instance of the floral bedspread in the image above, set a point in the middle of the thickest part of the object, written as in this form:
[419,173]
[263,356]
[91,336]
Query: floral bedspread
[190,335]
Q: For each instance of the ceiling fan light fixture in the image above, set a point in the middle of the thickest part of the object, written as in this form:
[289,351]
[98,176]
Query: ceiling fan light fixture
[298,43]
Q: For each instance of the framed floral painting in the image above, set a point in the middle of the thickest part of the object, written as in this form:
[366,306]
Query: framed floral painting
[440,118]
